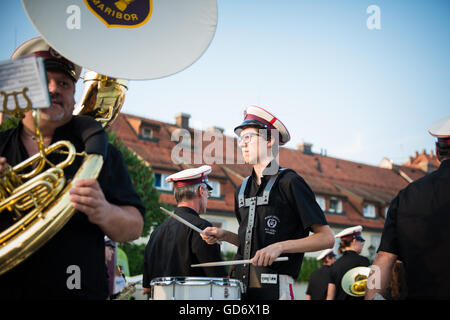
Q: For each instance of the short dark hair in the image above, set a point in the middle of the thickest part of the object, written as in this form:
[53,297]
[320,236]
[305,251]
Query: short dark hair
[343,244]
[443,149]
[188,192]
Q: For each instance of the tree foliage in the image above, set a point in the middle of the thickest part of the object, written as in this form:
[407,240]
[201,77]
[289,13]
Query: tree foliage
[309,264]
[143,178]
[9,123]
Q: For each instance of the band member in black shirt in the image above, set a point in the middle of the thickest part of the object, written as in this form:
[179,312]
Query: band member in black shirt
[319,279]
[416,230]
[350,246]
[173,247]
[276,211]
[108,205]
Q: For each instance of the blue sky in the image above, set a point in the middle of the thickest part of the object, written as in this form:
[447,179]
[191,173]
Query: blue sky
[360,94]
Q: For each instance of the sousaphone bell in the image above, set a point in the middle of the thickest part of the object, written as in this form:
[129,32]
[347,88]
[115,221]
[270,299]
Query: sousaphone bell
[354,281]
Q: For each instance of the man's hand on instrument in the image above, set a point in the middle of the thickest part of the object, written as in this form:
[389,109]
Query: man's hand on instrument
[266,256]
[3,163]
[87,196]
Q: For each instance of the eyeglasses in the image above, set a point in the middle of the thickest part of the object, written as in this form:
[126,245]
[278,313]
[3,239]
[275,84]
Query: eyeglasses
[247,138]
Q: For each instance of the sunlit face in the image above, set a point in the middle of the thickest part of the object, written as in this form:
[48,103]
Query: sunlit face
[61,89]
[252,145]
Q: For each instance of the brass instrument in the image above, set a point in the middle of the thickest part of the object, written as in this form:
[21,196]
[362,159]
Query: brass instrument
[38,202]
[354,281]
[128,291]
[102,97]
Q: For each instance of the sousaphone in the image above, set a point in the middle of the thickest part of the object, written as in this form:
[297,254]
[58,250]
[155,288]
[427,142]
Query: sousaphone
[120,40]
[354,281]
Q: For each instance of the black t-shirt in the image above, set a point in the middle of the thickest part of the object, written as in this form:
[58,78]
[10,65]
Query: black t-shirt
[417,231]
[78,249]
[290,213]
[173,247]
[350,259]
[318,283]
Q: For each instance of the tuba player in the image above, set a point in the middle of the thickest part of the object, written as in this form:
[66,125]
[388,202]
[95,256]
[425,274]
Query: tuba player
[71,265]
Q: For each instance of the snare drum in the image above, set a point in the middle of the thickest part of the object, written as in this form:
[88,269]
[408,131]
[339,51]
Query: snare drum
[195,288]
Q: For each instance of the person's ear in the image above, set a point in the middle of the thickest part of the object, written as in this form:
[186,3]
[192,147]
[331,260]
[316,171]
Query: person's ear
[437,153]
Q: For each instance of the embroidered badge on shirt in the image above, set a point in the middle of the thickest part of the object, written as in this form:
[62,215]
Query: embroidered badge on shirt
[271,224]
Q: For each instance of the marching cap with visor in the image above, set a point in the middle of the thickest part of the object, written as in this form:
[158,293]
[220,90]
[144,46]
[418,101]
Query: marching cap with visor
[351,233]
[441,130]
[258,117]
[52,59]
[325,253]
[190,177]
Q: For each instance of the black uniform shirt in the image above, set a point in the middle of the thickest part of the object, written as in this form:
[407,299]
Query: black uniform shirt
[173,247]
[79,243]
[417,230]
[349,260]
[318,283]
[291,212]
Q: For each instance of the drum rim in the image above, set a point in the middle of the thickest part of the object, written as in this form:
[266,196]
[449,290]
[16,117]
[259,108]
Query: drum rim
[167,281]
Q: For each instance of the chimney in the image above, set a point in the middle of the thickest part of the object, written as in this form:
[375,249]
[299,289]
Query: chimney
[305,147]
[215,129]
[182,120]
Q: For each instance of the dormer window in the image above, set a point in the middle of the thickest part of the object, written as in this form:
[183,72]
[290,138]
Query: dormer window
[335,205]
[369,211]
[147,133]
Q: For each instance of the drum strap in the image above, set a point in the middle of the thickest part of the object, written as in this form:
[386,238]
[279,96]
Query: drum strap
[251,203]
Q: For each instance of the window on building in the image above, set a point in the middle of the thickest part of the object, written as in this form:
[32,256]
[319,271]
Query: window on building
[369,211]
[215,192]
[386,209]
[335,205]
[147,133]
[160,182]
[321,203]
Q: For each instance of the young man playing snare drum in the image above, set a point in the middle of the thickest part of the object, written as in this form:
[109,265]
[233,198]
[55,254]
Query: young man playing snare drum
[276,211]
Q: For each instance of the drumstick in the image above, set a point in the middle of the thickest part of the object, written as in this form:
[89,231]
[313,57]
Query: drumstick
[232,262]
[186,223]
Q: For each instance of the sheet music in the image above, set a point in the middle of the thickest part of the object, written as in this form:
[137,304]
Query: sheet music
[15,75]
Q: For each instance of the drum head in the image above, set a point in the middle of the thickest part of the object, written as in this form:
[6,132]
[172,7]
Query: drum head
[130,39]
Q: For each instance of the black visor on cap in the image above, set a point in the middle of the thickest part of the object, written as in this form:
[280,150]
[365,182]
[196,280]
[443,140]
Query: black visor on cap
[59,66]
[250,123]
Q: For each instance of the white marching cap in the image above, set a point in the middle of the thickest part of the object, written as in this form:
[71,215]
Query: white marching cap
[40,48]
[440,128]
[349,233]
[257,116]
[190,177]
[325,253]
